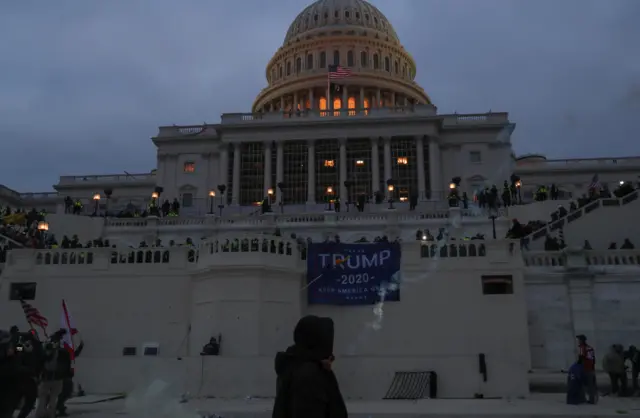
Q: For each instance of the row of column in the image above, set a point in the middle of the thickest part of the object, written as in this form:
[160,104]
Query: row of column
[435,169]
[374,101]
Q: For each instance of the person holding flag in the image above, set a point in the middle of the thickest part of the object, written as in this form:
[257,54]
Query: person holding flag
[66,323]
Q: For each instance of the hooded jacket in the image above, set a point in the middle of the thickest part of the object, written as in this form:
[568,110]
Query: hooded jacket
[305,388]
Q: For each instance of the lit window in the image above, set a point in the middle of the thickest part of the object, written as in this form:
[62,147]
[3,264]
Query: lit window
[322,103]
[189,167]
[351,104]
[475,157]
[366,106]
[329,163]
[337,105]
[403,160]
[360,163]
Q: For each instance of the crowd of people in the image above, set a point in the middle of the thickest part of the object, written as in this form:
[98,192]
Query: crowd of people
[33,370]
[166,209]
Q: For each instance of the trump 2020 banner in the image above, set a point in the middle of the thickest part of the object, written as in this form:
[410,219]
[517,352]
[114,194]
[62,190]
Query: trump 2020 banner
[353,274]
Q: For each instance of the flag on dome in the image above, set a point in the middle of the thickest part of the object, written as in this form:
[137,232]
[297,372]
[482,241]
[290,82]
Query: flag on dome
[337,72]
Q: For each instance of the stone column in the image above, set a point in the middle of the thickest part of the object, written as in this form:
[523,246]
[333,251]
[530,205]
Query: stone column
[387,162]
[282,104]
[393,99]
[361,100]
[345,100]
[378,98]
[267,168]
[435,171]
[279,169]
[311,173]
[422,186]
[295,102]
[343,170]
[312,105]
[223,174]
[235,198]
[375,165]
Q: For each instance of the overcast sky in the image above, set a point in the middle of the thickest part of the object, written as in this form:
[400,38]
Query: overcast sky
[84,84]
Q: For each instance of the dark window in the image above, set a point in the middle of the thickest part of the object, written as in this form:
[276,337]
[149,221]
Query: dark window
[326,15]
[387,64]
[315,17]
[129,351]
[150,350]
[376,61]
[336,57]
[346,14]
[336,14]
[366,17]
[323,59]
[350,59]
[289,68]
[273,74]
[187,200]
[309,61]
[280,71]
[396,67]
[22,291]
[298,65]
[357,15]
[364,59]
[497,285]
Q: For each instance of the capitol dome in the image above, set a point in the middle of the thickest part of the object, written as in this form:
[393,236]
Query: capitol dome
[343,15]
[354,35]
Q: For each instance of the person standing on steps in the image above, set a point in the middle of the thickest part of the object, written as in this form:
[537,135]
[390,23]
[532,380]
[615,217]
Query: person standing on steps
[587,356]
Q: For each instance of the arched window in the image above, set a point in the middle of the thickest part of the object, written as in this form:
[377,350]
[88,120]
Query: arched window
[322,105]
[337,105]
[336,57]
[307,104]
[310,60]
[350,59]
[298,65]
[289,68]
[351,104]
[396,67]
[273,74]
[366,106]
[387,64]
[376,61]
[364,59]
[323,59]
[280,71]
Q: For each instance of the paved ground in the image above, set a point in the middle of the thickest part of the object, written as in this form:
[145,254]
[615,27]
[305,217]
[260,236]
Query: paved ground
[539,405]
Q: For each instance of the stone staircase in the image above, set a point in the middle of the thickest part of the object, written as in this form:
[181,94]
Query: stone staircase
[571,217]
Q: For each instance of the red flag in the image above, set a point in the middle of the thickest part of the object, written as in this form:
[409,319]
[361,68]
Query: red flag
[66,323]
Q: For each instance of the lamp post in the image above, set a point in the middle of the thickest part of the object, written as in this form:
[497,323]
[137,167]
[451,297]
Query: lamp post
[518,187]
[221,188]
[269,199]
[493,216]
[212,196]
[453,195]
[107,193]
[43,227]
[391,188]
[329,193]
[347,185]
[96,203]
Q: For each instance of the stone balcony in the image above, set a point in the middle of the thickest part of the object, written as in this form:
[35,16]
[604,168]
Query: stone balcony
[571,259]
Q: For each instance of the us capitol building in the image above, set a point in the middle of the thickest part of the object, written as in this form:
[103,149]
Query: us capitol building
[306,142]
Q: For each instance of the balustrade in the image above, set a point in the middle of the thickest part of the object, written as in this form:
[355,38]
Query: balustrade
[591,258]
[459,249]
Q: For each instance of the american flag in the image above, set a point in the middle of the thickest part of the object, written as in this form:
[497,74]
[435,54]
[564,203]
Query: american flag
[33,315]
[337,72]
[595,182]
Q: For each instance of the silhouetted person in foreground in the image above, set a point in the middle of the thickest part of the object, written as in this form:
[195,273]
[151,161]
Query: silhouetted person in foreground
[306,385]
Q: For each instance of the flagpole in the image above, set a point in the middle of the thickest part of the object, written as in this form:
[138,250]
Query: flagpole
[34,330]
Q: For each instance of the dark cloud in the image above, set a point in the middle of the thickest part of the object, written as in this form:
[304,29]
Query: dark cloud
[85,84]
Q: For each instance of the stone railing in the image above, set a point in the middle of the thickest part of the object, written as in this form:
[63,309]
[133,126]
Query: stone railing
[582,258]
[453,249]
[41,195]
[580,212]
[273,219]
[107,178]
[572,164]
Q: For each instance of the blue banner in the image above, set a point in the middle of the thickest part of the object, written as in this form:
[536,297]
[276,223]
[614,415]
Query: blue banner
[353,274]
